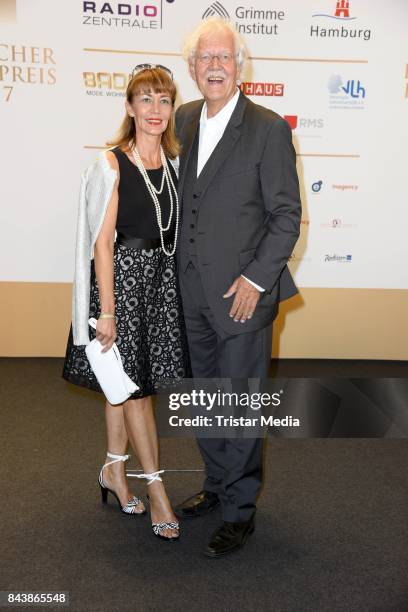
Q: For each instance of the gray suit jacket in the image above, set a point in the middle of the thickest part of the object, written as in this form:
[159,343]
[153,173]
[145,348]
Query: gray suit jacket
[248,206]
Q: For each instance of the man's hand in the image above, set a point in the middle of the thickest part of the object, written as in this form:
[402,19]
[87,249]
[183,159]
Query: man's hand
[245,301]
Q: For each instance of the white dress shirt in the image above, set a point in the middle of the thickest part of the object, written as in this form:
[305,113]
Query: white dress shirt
[211,131]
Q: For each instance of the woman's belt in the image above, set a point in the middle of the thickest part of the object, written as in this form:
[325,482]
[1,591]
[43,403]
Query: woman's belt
[142,243]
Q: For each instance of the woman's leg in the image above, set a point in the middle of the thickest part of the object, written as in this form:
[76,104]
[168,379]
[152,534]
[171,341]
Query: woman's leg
[141,428]
[117,440]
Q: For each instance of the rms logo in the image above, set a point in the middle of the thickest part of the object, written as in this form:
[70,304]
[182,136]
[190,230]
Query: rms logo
[304,122]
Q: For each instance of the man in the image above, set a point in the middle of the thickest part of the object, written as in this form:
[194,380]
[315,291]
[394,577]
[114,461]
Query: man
[240,221]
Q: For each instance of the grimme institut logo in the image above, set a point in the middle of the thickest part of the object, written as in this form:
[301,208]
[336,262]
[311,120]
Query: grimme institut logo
[341,13]
[249,20]
[146,15]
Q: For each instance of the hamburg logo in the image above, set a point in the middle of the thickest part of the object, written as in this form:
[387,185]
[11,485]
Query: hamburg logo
[216,9]
[342,11]
[341,14]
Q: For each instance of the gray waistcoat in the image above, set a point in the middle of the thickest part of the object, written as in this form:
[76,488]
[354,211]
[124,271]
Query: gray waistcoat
[188,233]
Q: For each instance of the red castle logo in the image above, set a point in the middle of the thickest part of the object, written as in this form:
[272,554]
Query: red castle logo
[342,9]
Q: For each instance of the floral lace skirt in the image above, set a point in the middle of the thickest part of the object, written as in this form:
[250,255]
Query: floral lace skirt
[151,335]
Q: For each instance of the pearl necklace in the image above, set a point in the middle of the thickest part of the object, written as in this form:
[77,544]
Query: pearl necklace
[155,192]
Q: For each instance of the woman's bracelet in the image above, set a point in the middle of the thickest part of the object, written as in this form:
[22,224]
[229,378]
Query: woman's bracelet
[106,315]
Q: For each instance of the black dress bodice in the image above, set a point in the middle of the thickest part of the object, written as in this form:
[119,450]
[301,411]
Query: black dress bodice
[136,210]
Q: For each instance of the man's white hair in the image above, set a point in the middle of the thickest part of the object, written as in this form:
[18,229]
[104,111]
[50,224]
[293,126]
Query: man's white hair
[209,26]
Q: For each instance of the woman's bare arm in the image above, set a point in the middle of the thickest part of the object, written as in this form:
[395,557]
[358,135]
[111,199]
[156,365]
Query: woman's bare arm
[103,256]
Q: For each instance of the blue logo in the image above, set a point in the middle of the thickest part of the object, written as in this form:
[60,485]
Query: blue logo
[350,94]
[352,88]
[316,187]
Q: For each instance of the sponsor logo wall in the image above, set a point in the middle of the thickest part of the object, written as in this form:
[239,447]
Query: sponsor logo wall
[329,67]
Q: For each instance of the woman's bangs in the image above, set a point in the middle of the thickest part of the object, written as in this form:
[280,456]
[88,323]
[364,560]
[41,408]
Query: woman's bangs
[151,81]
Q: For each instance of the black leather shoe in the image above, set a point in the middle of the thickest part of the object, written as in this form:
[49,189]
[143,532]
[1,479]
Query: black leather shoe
[198,505]
[229,537]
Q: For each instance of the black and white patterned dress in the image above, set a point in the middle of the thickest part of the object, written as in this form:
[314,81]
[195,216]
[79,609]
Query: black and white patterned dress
[151,335]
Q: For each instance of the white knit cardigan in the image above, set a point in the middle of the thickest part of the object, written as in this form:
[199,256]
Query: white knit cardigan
[97,183]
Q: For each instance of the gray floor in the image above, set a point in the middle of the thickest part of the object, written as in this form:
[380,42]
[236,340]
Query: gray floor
[332,529]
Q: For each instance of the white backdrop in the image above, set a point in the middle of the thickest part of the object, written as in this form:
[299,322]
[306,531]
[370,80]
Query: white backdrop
[61,97]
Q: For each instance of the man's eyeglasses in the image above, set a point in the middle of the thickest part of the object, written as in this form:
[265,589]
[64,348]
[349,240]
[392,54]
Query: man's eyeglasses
[223,58]
[141,67]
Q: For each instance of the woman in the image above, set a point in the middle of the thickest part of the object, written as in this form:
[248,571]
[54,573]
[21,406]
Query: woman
[132,190]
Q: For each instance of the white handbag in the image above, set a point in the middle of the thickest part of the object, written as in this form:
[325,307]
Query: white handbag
[108,369]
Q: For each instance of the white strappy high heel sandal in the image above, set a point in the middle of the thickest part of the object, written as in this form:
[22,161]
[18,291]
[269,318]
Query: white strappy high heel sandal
[158,528]
[132,504]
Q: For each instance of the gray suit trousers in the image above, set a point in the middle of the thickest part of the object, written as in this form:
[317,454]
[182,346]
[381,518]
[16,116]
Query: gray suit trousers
[233,465]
